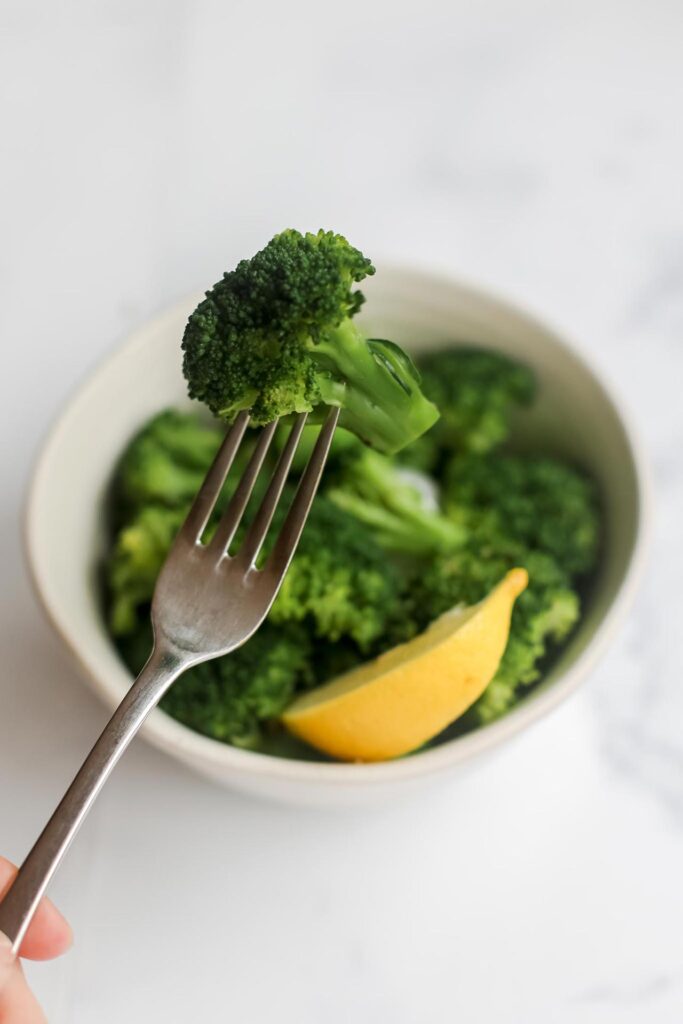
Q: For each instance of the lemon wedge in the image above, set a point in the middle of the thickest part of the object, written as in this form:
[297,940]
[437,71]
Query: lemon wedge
[398,701]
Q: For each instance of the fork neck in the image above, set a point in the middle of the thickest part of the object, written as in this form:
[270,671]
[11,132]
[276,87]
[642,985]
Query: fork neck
[162,668]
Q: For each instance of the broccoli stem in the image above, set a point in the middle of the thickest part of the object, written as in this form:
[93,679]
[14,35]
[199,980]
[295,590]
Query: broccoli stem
[373,490]
[356,373]
[407,530]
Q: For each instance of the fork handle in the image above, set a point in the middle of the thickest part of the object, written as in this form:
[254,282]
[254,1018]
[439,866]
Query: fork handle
[22,899]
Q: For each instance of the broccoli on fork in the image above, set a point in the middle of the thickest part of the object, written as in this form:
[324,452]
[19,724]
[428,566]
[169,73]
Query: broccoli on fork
[276,336]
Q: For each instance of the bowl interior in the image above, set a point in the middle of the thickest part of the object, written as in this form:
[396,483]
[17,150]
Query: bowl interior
[574,416]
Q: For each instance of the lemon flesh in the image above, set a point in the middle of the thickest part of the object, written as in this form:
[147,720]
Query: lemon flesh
[397,702]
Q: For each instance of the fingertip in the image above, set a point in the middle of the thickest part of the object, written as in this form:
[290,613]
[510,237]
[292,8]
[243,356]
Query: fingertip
[49,935]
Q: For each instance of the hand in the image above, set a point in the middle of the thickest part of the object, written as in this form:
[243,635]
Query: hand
[48,936]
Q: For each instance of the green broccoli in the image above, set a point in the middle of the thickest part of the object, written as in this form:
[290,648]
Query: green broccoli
[340,581]
[230,698]
[543,615]
[165,462]
[372,488]
[276,336]
[135,561]
[475,390]
[539,502]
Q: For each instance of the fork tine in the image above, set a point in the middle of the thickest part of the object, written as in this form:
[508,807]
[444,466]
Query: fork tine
[262,520]
[289,535]
[202,507]
[230,519]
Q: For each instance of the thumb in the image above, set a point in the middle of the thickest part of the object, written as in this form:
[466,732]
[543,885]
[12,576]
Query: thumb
[7,960]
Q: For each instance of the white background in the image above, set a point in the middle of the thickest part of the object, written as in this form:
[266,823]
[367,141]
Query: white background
[532,146]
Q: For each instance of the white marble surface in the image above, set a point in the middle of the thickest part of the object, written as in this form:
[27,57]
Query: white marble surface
[534,147]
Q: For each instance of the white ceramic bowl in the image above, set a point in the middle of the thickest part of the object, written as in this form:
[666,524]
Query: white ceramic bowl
[574,415]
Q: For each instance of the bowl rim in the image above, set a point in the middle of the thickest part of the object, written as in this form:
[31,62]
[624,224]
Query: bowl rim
[180,741]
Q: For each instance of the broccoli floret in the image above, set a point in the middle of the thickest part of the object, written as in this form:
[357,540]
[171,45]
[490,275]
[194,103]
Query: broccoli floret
[543,614]
[539,502]
[540,622]
[165,462]
[275,336]
[229,698]
[474,390]
[371,488]
[340,581]
[137,556]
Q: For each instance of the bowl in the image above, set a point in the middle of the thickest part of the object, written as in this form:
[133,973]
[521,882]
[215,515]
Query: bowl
[574,415]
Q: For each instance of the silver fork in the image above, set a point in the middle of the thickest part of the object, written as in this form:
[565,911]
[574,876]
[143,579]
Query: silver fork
[206,603]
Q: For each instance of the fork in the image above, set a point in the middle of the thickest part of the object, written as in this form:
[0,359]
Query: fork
[207,602]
